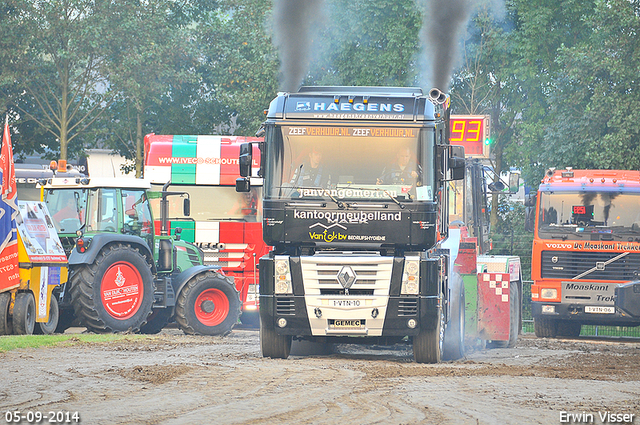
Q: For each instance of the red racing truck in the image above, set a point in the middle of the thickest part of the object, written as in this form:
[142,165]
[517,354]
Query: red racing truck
[225,224]
[586,243]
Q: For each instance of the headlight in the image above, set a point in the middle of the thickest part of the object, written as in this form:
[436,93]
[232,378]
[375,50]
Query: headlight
[548,293]
[282,276]
[410,278]
[282,266]
[282,287]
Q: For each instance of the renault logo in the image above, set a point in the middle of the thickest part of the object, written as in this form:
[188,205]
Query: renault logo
[346,277]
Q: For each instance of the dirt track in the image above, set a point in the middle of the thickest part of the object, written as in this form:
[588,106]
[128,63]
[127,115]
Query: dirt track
[177,379]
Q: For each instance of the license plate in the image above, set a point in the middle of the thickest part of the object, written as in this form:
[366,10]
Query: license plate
[601,310]
[346,324]
[346,303]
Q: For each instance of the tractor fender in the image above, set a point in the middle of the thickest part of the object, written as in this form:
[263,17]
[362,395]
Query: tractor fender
[183,277]
[100,240]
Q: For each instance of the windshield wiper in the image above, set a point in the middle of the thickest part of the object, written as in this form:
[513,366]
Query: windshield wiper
[393,198]
[326,192]
[386,192]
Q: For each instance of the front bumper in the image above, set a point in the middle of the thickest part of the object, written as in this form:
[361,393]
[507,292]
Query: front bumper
[576,312]
[403,316]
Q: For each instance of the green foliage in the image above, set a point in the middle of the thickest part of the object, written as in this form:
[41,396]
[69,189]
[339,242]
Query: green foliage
[54,53]
[596,92]
[368,43]
[238,66]
[557,78]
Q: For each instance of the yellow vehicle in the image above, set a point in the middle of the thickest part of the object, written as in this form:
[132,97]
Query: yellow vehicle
[29,306]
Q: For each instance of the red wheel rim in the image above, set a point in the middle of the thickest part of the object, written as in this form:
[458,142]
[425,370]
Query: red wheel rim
[212,307]
[122,290]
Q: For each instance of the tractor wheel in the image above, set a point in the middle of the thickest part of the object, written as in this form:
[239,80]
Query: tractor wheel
[50,326]
[6,327]
[115,293]
[569,329]
[429,343]
[545,327]
[24,314]
[158,319]
[273,345]
[209,304]
[453,348]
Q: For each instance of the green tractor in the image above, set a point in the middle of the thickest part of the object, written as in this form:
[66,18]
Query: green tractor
[127,273]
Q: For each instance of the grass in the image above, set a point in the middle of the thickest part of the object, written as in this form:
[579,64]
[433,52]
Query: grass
[12,342]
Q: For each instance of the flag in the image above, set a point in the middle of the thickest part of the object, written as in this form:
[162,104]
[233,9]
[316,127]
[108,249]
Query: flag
[9,273]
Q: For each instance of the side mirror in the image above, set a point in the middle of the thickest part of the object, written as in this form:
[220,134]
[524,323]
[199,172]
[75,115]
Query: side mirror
[514,181]
[496,186]
[245,159]
[457,163]
[243,184]
[186,207]
[530,201]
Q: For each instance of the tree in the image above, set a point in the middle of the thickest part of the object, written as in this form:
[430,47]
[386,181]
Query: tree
[486,85]
[368,43]
[238,66]
[541,28]
[594,107]
[57,64]
[144,67]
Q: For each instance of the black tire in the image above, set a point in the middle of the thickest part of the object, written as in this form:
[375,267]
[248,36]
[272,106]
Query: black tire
[95,295]
[158,319]
[49,327]
[6,326]
[516,306]
[24,314]
[209,304]
[429,343]
[545,327]
[67,316]
[453,348]
[569,329]
[65,320]
[273,345]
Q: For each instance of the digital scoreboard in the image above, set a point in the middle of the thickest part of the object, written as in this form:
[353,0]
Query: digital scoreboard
[473,132]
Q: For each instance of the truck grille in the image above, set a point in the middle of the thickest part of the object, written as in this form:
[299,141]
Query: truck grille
[372,274]
[567,265]
[285,307]
[408,307]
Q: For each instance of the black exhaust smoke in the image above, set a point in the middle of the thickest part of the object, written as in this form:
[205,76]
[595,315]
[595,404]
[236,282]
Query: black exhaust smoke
[443,22]
[294,21]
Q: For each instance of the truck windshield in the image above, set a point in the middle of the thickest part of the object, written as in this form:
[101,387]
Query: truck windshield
[350,162]
[589,212]
[213,203]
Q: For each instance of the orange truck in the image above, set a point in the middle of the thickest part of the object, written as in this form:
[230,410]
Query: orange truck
[586,243]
